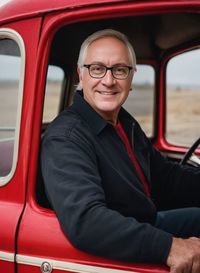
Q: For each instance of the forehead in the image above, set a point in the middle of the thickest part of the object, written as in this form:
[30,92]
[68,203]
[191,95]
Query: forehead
[109,48]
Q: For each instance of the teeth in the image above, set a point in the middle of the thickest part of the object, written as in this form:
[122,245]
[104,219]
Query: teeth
[106,93]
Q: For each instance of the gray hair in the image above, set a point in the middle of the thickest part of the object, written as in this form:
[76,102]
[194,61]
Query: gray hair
[105,33]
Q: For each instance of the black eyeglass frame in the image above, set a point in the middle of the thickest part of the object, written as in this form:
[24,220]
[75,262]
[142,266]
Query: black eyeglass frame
[108,68]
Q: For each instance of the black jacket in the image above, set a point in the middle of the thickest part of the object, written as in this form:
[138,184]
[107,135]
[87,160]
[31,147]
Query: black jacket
[95,190]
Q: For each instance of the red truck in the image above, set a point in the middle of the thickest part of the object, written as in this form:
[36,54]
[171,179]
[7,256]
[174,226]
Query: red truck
[39,45]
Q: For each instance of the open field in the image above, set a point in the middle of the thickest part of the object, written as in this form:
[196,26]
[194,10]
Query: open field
[183,108]
[184,116]
[183,113]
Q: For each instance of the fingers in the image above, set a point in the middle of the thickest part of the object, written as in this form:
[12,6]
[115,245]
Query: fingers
[181,268]
[184,256]
[196,265]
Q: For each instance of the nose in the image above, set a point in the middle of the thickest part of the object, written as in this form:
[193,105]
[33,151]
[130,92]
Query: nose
[108,79]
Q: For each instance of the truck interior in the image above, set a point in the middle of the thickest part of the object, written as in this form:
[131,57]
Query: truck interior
[155,38]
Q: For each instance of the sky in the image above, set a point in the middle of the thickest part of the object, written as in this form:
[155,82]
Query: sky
[181,70]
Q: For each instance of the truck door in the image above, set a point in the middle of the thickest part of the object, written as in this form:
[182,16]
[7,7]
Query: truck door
[42,245]
[18,42]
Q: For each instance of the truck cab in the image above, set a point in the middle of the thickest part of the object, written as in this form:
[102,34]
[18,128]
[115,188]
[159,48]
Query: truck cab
[39,46]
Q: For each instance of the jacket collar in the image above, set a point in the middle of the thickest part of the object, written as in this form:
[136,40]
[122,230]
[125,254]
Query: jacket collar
[98,124]
[92,118]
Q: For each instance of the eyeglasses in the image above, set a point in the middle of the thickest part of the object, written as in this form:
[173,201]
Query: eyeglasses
[98,71]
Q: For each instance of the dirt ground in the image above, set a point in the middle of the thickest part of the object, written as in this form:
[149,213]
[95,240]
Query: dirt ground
[184,116]
[183,113]
[183,108]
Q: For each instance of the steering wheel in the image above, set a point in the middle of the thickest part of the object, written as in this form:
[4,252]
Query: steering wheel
[189,153]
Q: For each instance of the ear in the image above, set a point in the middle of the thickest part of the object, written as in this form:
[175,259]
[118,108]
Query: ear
[79,71]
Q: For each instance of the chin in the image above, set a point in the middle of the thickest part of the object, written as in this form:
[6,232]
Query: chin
[108,112]
[108,109]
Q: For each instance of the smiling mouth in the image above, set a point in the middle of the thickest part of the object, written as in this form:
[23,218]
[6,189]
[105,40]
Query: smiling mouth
[107,93]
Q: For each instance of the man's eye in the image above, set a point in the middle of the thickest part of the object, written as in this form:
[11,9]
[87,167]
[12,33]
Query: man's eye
[97,69]
[120,70]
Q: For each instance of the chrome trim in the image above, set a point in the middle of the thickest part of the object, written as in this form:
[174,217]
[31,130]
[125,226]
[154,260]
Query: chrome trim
[195,159]
[7,256]
[67,266]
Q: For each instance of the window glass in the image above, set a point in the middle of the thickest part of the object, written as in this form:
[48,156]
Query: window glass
[140,102]
[183,98]
[10,66]
[55,77]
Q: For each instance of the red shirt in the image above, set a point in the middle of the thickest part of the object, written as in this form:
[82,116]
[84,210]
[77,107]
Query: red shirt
[141,175]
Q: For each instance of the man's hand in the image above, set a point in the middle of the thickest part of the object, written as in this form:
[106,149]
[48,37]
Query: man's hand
[184,256]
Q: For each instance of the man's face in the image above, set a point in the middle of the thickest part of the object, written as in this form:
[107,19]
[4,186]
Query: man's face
[106,95]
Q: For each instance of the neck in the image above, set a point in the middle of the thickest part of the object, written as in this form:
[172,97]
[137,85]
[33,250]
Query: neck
[111,117]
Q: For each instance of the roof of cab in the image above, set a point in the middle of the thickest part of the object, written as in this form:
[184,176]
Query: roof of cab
[15,9]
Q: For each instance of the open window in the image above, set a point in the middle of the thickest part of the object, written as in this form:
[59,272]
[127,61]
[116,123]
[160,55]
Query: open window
[140,102]
[183,97]
[53,93]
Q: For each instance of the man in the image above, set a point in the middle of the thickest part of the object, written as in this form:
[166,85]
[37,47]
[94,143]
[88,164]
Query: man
[102,174]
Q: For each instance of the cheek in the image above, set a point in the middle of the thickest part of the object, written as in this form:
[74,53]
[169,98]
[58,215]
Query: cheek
[126,86]
[84,77]
[90,83]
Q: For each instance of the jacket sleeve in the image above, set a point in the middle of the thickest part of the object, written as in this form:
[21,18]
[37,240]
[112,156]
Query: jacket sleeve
[73,185]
